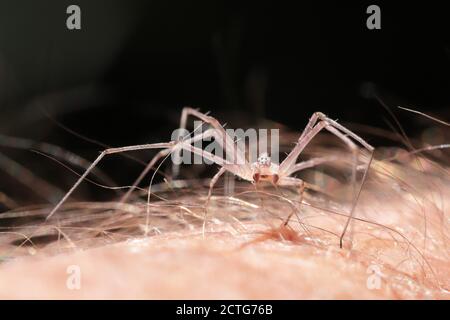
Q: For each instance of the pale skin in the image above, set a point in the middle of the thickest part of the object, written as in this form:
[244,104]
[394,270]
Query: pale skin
[181,265]
[261,263]
[263,170]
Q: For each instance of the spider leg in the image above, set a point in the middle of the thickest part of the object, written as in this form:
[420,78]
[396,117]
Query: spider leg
[356,193]
[211,186]
[227,141]
[310,125]
[354,149]
[300,184]
[348,132]
[341,238]
[303,141]
[312,129]
[169,146]
[163,153]
[100,157]
[232,149]
[310,163]
[149,166]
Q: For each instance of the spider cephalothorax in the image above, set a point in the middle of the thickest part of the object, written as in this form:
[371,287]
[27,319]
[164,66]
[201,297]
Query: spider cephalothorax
[265,170]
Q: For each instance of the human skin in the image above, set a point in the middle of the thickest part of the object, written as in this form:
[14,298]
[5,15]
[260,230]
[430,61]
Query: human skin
[183,266]
[397,248]
[259,264]
[174,267]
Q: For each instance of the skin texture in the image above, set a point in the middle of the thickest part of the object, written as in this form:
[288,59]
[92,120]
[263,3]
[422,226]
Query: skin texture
[183,266]
[187,268]
[396,248]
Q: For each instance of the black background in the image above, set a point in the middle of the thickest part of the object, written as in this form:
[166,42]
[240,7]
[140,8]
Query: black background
[272,59]
[124,77]
[280,308]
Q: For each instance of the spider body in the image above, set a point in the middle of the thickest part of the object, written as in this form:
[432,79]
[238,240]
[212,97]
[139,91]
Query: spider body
[263,170]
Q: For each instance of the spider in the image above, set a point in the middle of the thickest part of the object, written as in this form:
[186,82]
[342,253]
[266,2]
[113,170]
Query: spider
[259,171]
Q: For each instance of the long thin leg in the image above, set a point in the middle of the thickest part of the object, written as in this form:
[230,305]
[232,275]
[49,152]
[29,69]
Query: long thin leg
[301,185]
[100,157]
[186,145]
[290,181]
[161,154]
[149,166]
[173,146]
[288,164]
[227,143]
[311,130]
[357,193]
[303,141]
[311,163]
[354,150]
[356,202]
[333,127]
[211,186]
[344,129]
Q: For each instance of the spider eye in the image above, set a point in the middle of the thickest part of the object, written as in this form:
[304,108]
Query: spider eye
[256,177]
[264,159]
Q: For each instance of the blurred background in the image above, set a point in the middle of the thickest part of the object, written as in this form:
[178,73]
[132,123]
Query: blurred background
[125,76]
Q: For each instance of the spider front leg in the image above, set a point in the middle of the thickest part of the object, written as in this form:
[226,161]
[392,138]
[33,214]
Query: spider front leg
[168,148]
[167,145]
[300,185]
[211,187]
[311,130]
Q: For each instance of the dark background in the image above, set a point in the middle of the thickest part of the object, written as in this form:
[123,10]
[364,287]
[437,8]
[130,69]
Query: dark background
[124,77]
[267,58]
